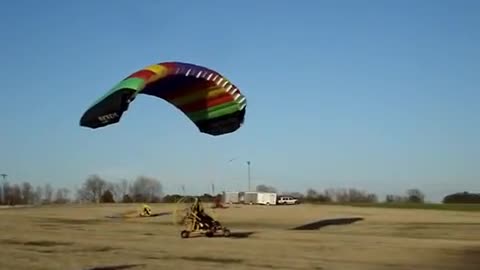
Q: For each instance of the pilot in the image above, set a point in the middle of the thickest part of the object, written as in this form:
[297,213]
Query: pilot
[197,207]
[146,211]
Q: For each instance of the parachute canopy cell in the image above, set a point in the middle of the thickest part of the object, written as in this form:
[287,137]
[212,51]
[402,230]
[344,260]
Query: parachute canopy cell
[207,98]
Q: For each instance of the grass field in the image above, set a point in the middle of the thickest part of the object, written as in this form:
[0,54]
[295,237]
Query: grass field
[81,237]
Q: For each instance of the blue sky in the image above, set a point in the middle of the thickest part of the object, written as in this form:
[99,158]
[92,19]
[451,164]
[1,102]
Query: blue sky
[377,95]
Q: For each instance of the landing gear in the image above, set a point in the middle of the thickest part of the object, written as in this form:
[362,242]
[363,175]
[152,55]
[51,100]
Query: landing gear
[211,233]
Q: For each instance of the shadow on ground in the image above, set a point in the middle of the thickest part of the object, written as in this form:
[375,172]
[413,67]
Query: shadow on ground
[213,260]
[137,216]
[241,234]
[39,243]
[327,222]
[161,214]
[116,267]
[470,258]
[234,235]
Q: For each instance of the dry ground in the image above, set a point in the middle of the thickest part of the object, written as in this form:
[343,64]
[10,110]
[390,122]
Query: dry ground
[81,237]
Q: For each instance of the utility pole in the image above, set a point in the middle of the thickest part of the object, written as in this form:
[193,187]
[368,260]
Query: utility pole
[4,176]
[230,178]
[249,175]
[249,180]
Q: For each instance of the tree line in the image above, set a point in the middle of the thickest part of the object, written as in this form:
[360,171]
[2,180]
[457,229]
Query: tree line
[96,189]
[353,195]
[347,195]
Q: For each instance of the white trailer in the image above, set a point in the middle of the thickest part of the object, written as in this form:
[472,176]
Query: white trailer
[231,197]
[250,198]
[266,198]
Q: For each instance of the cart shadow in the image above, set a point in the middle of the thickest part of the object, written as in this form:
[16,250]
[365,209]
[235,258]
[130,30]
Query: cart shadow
[116,267]
[234,235]
[123,216]
[241,234]
[327,222]
[161,214]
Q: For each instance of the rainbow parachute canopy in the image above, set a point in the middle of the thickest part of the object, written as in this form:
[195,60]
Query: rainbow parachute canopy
[207,98]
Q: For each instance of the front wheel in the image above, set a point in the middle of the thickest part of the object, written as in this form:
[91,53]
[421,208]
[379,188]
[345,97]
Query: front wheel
[226,233]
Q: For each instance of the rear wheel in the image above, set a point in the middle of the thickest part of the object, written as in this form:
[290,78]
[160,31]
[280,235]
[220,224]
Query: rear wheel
[184,234]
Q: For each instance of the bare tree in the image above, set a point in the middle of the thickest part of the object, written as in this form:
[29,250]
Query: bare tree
[82,195]
[92,189]
[117,190]
[27,193]
[114,190]
[61,196]
[146,189]
[38,195]
[415,195]
[294,194]
[2,195]
[312,194]
[341,195]
[124,187]
[372,198]
[315,196]
[48,190]
[330,194]
[107,197]
[15,195]
[350,195]
[391,198]
[6,193]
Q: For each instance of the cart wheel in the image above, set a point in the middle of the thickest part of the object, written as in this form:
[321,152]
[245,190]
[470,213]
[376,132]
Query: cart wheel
[184,234]
[209,234]
[226,232]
